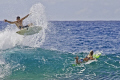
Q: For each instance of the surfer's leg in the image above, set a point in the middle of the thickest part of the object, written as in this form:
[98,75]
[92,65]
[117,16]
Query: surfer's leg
[76,59]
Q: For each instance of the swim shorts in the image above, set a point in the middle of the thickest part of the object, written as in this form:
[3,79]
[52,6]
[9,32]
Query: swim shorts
[80,61]
[23,26]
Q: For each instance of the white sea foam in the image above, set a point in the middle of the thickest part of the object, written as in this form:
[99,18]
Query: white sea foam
[9,38]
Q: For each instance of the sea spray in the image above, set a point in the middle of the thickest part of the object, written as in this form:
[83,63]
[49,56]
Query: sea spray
[38,18]
[9,38]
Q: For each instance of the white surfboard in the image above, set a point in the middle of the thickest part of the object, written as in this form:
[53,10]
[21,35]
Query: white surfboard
[30,30]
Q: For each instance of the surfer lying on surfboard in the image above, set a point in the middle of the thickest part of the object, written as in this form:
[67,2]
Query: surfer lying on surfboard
[19,22]
[89,57]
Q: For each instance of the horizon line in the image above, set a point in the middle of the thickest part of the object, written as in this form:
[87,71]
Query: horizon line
[76,20]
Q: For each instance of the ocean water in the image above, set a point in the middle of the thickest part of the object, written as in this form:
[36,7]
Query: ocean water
[49,55]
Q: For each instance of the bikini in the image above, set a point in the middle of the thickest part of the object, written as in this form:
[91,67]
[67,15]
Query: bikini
[87,57]
[80,61]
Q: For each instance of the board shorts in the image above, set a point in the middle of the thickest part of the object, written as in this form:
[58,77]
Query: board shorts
[80,61]
[23,26]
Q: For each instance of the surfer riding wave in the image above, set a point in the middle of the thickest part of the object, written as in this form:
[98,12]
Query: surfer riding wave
[19,22]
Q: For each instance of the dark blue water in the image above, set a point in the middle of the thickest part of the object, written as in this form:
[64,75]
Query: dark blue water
[21,59]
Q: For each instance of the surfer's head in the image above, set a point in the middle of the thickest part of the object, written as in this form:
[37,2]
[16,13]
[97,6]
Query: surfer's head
[18,18]
[91,53]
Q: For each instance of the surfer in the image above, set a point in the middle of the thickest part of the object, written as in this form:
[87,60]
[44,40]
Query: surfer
[88,57]
[19,22]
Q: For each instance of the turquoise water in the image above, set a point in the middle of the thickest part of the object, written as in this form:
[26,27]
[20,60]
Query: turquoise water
[40,64]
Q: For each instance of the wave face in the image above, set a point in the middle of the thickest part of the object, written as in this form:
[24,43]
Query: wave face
[50,53]
[25,63]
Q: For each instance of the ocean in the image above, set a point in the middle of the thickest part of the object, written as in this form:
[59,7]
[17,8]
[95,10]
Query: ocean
[49,55]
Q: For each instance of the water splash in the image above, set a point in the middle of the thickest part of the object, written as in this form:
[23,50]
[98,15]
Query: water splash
[9,38]
[38,18]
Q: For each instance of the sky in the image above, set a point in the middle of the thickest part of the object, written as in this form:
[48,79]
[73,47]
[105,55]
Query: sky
[64,10]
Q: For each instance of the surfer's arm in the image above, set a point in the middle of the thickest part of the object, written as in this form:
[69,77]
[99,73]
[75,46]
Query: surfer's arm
[25,17]
[9,21]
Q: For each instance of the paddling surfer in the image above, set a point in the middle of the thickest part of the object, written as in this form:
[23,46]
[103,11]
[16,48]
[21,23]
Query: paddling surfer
[89,57]
[19,22]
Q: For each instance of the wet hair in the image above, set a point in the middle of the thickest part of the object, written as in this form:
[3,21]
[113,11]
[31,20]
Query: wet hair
[18,17]
[91,53]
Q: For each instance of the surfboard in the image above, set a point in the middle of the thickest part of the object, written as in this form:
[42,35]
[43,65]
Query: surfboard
[30,30]
[97,55]
[94,56]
